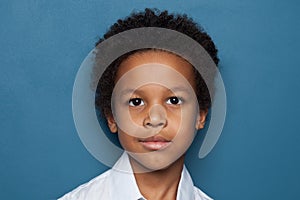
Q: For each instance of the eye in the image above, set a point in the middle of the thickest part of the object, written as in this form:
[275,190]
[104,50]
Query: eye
[136,102]
[174,101]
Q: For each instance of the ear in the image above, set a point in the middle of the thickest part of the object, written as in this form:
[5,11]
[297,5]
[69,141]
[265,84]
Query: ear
[201,119]
[111,123]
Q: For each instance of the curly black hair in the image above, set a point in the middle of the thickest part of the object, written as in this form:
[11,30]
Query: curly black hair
[153,18]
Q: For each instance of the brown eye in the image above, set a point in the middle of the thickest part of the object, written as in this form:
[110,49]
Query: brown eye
[136,102]
[174,101]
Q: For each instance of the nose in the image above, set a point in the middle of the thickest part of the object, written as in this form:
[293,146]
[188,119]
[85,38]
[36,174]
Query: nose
[157,117]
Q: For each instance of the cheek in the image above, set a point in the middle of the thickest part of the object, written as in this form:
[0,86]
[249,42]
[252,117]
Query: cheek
[136,116]
[126,140]
[185,134]
[174,121]
[187,126]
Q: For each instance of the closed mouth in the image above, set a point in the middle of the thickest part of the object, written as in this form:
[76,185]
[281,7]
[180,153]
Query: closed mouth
[155,143]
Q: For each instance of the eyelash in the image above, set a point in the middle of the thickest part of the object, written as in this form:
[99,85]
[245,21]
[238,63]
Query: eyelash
[177,98]
[140,101]
[131,102]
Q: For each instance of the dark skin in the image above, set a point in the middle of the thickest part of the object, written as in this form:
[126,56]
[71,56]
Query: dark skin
[160,181]
[151,185]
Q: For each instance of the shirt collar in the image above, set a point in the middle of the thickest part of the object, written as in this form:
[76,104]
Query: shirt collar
[186,186]
[123,184]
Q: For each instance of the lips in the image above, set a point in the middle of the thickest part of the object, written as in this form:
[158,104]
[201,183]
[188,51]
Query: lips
[154,143]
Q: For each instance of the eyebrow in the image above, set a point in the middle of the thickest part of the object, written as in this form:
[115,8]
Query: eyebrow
[127,91]
[174,89]
[180,89]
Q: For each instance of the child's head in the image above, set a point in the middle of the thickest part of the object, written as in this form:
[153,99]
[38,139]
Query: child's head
[153,18]
[151,97]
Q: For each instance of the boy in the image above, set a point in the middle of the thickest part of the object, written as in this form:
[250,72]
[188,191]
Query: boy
[155,101]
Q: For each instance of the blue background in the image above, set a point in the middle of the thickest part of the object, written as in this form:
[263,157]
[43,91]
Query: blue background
[42,44]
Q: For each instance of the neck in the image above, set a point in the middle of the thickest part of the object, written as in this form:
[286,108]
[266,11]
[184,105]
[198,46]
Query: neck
[159,184]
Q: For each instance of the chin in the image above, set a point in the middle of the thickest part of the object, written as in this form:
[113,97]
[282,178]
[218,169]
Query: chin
[149,163]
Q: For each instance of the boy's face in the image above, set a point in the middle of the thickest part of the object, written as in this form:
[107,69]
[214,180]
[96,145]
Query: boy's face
[155,109]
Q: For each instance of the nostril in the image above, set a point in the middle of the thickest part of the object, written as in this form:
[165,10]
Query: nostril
[154,125]
[161,124]
[156,117]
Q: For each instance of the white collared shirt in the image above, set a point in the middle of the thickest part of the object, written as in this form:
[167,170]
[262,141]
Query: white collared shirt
[120,184]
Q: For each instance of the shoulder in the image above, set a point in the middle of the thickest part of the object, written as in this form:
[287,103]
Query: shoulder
[89,190]
[199,195]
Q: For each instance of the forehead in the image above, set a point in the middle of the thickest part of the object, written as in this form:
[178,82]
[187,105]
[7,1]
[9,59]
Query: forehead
[157,56]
